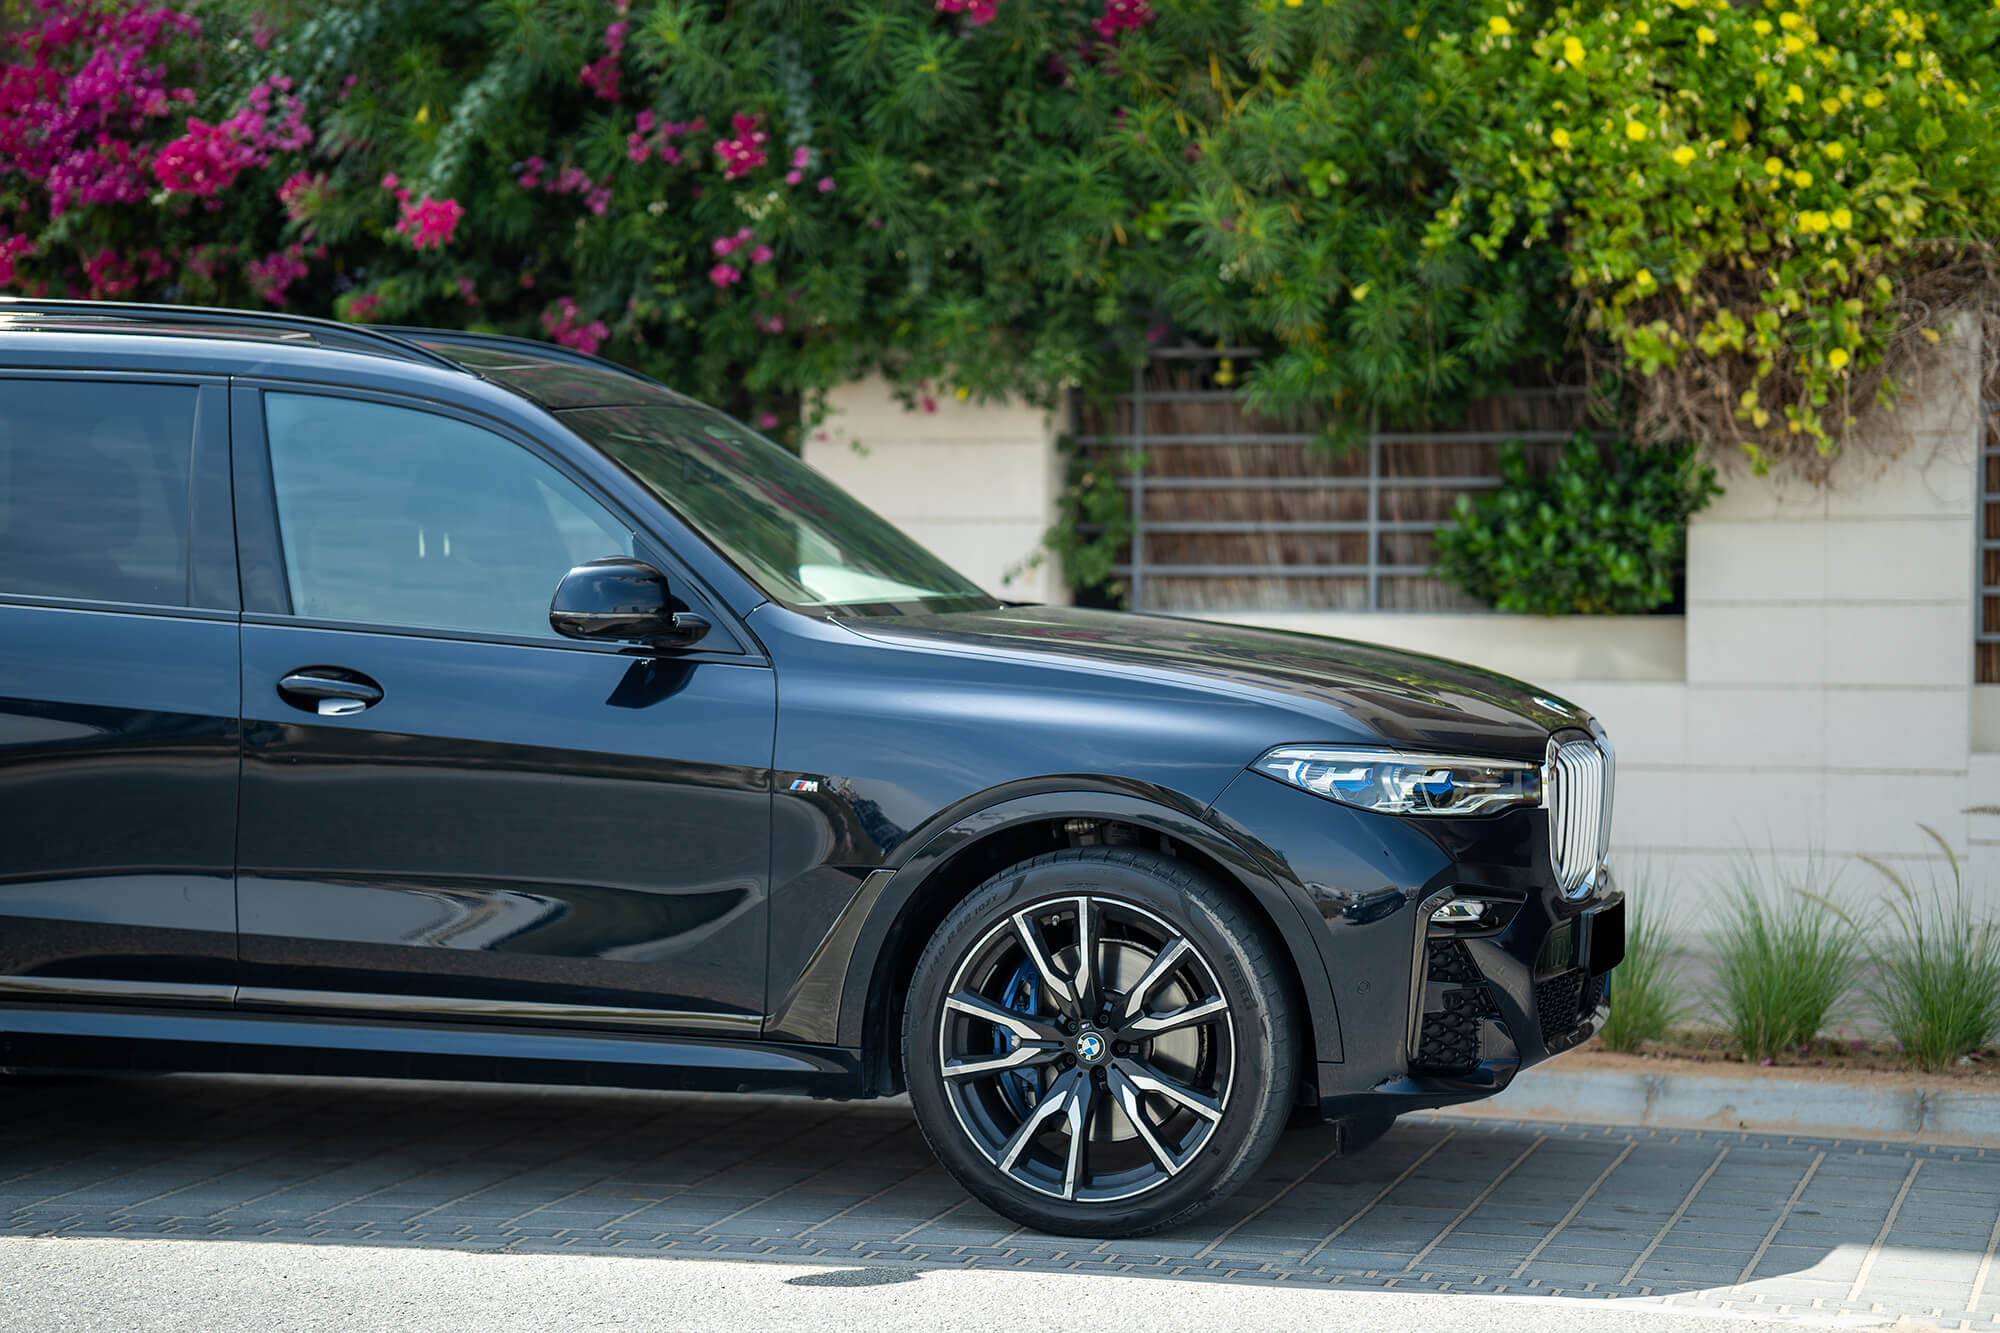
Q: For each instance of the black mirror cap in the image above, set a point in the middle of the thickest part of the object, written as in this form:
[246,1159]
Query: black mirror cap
[623,600]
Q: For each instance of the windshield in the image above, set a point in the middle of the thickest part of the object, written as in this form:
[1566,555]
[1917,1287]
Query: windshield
[799,537]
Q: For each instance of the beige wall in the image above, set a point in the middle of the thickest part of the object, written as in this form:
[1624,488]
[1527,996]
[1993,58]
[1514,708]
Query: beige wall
[1815,701]
[976,483]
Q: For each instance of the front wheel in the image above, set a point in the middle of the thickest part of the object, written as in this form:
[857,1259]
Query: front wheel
[1099,1043]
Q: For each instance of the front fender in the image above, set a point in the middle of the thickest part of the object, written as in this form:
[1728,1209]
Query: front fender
[845,982]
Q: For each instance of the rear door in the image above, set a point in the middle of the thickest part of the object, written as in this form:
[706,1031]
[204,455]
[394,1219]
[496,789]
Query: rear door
[450,812]
[118,690]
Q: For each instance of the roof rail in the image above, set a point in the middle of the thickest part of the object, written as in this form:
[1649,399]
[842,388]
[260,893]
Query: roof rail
[330,333]
[502,342]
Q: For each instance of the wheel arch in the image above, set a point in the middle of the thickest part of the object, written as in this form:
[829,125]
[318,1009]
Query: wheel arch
[943,869]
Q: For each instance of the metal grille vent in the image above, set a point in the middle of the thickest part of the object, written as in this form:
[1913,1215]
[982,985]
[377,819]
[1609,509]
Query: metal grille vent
[1578,795]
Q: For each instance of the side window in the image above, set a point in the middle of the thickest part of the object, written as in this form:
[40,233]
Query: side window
[94,489]
[399,517]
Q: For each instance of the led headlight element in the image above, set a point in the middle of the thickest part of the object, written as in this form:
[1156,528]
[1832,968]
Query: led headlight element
[1394,783]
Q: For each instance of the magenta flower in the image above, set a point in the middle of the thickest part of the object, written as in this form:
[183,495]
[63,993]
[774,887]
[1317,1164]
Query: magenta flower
[746,152]
[723,275]
[362,308]
[767,421]
[271,275]
[1122,16]
[11,251]
[430,223]
[826,185]
[801,156]
[761,255]
[978,11]
[561,324]
[794,176]
[302,193]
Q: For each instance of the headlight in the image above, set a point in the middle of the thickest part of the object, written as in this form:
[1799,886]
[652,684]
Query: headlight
[1394,783]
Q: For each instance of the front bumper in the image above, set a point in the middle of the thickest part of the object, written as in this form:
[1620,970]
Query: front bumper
[1431,1015]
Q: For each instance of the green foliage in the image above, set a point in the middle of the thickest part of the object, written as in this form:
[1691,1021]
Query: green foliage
[1754,201]
[1937,985]
[1785,958]
[1093,530]
[1397,205]
[1647,993]
[1601,533]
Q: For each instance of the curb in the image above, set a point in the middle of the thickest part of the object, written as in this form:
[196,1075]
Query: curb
[1765,1104]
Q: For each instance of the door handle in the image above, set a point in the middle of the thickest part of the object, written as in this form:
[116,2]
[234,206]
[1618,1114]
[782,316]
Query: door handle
[329,691]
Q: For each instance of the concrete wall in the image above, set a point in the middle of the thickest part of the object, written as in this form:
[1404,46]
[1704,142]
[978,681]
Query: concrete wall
[1815,702]
[976,483]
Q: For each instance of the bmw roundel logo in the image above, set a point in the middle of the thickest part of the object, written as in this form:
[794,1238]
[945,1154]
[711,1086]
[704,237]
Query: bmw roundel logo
[1090,1048]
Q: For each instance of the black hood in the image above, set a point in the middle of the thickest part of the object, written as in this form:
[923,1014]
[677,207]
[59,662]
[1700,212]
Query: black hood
[1409,700]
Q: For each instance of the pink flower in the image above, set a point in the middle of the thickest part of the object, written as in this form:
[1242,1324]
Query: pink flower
[801,156]
[468,291]
[775,324]
[746,152]
[826,185]
[11,249]
[722,275]
[1122,16]
[389,182]
[979,11]
[646,122]
[301,194]
[767,421]
[362,308]
[761,255]
[794,176]
[527,281]
[108,274]
[271,275]
[430,223]
[560,322]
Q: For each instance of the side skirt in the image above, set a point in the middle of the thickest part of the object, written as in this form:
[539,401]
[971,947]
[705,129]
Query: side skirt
[42,1036]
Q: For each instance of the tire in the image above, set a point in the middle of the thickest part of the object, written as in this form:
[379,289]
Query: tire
[1180,1089]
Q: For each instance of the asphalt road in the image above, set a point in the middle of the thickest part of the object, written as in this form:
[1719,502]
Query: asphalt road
[221,1203]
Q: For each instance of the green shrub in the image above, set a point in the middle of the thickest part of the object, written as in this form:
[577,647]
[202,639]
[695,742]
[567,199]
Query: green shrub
[1938,975]
[1647,994]
[1602,533]
[1786,957]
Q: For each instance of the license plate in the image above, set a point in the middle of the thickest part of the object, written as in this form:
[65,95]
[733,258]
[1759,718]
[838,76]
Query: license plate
[1603,938]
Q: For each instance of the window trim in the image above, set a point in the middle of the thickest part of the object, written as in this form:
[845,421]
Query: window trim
[208,494]
[261,558]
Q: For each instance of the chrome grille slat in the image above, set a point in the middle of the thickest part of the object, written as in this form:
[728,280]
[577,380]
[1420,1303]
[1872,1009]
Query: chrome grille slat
[1579,809]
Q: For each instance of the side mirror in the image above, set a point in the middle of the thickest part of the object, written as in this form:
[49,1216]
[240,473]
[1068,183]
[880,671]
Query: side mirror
[624,600]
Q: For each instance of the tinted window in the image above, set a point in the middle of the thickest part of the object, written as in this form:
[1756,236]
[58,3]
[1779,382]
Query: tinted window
[800,537]
[94,489]
[399,517]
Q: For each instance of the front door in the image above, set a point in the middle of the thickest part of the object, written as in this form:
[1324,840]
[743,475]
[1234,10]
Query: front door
[450,812]
[118,692]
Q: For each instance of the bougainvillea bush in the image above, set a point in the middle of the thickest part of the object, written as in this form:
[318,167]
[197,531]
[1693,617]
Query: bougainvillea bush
[1399,205]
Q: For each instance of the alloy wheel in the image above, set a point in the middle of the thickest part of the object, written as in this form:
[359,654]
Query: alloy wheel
[1086,1048]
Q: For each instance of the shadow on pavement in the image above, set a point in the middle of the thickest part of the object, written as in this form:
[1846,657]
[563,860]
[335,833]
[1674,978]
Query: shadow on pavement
[1706,1219]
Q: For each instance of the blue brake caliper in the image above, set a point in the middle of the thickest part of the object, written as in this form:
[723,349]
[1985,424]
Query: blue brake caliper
[1020,1088]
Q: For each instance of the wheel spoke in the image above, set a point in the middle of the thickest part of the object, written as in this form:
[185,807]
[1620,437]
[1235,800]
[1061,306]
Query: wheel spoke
[1025,1027]
[1030,935]
[1127,1097]
[1083,981]
[1082,1094]
[1153,1025]
[1054,1102]
[1025,1056]
[1147,1079]
[1157,971]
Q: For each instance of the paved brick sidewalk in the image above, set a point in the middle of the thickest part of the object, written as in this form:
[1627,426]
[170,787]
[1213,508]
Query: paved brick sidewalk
[1826,1230]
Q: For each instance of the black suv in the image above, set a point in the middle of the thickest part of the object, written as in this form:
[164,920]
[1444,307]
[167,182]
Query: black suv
[448,705]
